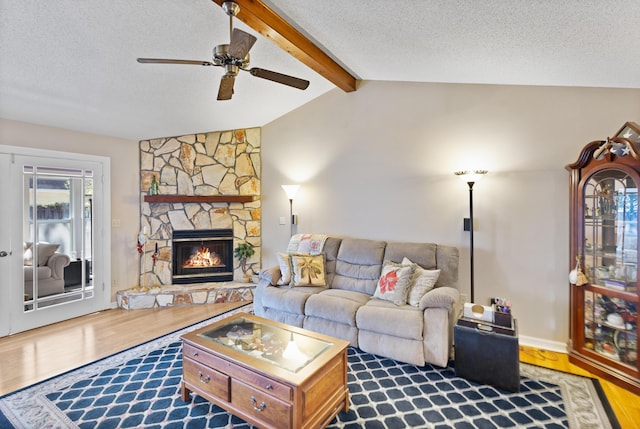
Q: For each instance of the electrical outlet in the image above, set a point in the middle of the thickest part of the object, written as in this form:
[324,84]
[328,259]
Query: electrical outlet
[115,223]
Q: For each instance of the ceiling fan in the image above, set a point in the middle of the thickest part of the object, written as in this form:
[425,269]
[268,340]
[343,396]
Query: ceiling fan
[234,57]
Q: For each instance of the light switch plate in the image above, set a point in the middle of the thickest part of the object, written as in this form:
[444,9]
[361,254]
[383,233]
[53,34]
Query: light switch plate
[283,220]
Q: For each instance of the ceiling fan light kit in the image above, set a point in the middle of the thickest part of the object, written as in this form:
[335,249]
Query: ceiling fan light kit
[234,57]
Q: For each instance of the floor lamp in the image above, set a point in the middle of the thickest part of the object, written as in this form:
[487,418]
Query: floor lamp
[291,191]
[471,177]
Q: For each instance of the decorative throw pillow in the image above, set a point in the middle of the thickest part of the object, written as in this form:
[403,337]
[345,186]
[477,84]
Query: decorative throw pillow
[421,282]
[45,251]
[27,254]
[394,282]
[308,270]
[284,260]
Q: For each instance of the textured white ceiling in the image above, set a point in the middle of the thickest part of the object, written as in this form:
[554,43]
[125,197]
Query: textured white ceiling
[72,63]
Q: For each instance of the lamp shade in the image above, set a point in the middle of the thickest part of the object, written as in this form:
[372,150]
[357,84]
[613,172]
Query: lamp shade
[471,175]
[291,190]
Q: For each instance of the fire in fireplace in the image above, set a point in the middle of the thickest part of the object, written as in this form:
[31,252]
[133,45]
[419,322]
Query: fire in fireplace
[203,255]
[202,258]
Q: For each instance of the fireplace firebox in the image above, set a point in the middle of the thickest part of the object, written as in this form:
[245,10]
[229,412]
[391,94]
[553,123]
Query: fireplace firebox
[202,255]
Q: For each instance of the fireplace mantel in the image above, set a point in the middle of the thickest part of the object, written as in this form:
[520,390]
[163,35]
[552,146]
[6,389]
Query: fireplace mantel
[199,198]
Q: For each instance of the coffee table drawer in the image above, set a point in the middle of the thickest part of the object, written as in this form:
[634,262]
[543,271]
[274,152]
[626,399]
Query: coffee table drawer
[252,378]
[206,379]
[260,406]
[269,386]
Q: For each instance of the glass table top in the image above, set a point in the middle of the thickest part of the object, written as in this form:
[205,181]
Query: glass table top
[284,348]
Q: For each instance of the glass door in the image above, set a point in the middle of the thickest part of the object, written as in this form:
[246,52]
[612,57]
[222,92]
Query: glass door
[610,301]
[55,213]
[57,235]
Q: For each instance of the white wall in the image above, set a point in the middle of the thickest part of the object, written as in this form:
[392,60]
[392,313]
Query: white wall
[125,205]
[378,163]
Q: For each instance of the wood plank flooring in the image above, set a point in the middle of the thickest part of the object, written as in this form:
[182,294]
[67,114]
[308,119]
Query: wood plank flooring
[36,355]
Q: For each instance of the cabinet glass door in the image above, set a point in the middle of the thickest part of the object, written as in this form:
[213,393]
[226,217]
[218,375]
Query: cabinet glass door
[611,230]
[611,264]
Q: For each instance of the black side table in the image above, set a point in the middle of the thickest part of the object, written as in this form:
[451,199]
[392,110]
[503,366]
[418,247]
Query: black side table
[487,354]
[73,273]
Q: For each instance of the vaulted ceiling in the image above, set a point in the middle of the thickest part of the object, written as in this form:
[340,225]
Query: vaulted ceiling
[72,64]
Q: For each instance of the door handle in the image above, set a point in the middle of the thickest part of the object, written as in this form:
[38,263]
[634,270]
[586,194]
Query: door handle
[3,254]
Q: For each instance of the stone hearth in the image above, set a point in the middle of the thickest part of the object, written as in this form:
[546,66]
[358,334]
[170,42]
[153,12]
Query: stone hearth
[171,296]
[212,164]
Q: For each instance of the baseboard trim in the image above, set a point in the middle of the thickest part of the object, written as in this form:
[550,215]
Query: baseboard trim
[541,343]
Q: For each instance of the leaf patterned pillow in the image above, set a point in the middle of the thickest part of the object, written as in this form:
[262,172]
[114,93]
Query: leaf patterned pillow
[394,282]
[308,270]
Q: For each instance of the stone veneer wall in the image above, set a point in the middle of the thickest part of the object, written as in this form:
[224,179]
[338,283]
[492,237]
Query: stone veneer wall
[215,163]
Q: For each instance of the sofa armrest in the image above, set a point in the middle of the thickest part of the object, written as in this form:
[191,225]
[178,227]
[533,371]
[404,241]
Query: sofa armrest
[57,262]
[271,275]
[440,297]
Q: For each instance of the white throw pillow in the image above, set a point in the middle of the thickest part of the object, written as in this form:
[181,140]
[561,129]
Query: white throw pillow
[284,261]
[45,251]
[27,254]
[421,282]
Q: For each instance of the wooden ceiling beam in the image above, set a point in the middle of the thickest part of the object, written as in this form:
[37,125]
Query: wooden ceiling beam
[265,21]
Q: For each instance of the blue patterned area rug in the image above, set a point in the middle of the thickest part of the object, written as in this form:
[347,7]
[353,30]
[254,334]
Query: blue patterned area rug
[140,388]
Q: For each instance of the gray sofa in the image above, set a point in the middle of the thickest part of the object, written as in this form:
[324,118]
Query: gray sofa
[346,308]
[50,276]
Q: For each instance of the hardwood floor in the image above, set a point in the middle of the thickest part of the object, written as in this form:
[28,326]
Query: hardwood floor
[36,355]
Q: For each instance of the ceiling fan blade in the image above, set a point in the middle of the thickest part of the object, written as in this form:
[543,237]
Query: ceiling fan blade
[166,61]
[279,78]
[241,43]
[225,91]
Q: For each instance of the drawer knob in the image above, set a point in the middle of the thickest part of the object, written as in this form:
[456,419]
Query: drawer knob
[260,407]
[204,379]
[195,354]
[269,387]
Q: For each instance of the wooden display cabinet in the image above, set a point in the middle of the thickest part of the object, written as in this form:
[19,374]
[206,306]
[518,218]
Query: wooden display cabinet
[604,238]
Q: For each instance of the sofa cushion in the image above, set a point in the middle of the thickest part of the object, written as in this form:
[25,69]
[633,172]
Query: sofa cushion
[335,304]
[394,282]
[42,273]
[308,270]
[384,317]
[358,265]
[423,254]
[429,256]
[447,261]
[287,299]
[330,250]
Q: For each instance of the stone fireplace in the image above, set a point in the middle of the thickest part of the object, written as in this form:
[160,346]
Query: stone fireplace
[206,182]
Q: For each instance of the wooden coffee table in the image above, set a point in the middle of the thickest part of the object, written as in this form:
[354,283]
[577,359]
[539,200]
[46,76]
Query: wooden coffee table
[270,374]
